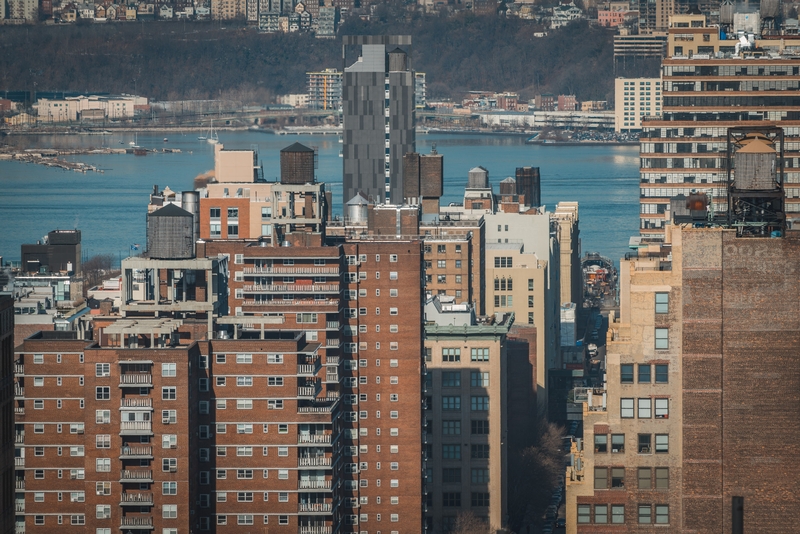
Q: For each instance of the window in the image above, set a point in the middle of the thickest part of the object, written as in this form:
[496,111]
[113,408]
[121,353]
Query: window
[503,262]
[662,302]
[601,514]
[451,475]
[451,355]
[479,427]
[102,369]
[584,513]
[451,379]
[479,403]
[644,514]
[600,478]
[169,441]
[479,451]
[244,428]
[451,452]
[246,474]
[662,443]
[662,408]
[662,373]
[102,393]
[76,450]
[626,408]
[645,441]
[645,407]
[601,443]
[169,393]
[617,442]
[38,428]
[275,404]
[244,381]
[451,403]
[662,514]
[169,369]
[662,338]
[103,465]
[451,428]
[479,499]
[617,514]
[169,511]
[644,373]
[626,373]
[479,475]
[662,477]
[451,499]
[479,355]
[169,488]
[644,478]
[103,511]
[169,464]
[617,477]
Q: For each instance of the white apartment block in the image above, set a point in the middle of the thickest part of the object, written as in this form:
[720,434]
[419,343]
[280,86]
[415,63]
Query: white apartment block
[94,107]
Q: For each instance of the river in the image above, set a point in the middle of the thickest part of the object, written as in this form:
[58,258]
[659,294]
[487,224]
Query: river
[110,207]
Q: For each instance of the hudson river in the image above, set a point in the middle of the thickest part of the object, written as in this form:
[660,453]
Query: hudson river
[110,208]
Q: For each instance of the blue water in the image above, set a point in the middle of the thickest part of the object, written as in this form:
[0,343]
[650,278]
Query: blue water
[110,208]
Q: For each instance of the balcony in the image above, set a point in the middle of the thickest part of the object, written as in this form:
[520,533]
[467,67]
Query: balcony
[331,377]
[19,410]
[290,288]
[314,438]
[136,499]
[332,325]
[291,270]
[307,369]
[19,437]
[136,452]
[292,303]
[331,360]
[333,343]
[136,523]
[19,483]
[19,528]
[136,402]
[136,428]
[315,409]
[307,391]
[19,369]
[314,484]
[19,391]
[314,508]
[19,461]
[136,380]
[316,461]
[128,476]
[322,529]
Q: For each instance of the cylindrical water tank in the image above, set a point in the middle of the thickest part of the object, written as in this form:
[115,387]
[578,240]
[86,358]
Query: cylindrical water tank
[478,178]
[398,60]
[190,200]
[755,167]
[357,210]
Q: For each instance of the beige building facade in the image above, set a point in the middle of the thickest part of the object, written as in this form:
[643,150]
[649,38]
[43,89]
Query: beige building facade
[634,99]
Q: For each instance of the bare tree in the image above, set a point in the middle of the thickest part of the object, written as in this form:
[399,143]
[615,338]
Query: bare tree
[469,523]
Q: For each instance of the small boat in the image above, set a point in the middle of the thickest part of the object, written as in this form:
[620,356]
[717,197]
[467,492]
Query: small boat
[132,143]
[201,138]
[212,136]
[165,139]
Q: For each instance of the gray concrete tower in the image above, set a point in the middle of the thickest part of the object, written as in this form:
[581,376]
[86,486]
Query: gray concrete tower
[378,115]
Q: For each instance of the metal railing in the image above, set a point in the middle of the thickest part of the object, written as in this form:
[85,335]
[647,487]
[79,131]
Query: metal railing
[19,483]
[137,450]
[332,325]
[135,379]
[134,402]
[137,521]
[136,426]
[291,288]
[314,438]
[19,410]
[309,507]
[314,409]
[127,474]
[19,391]
[334,343]
[314,461]
[306,391]
[295,302]
[20,507]
[291,270]
[331,360]
[137,498]
[19,437]
[307,369]
[19,461]
[19,369]
[315,530]
[331,377]
[314,484]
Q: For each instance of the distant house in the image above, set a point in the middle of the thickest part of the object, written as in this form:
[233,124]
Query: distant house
[165,12]
[86,11]
[130,12]
[563,14]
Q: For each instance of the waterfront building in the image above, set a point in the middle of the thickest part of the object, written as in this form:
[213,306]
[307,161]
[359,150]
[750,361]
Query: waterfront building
[634,100]
[228,9]
[466,416]
[325,89]
[711,84]
[92,107]
[378,117]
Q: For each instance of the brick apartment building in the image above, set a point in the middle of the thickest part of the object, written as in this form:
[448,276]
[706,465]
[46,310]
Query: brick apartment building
[7,489]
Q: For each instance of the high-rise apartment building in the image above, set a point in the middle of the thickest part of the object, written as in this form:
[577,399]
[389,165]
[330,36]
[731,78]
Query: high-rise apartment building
[325,89]
[7,467]
[634,100]
[378,116]
[466,417]
[710,84]
[672,439]
[654,16]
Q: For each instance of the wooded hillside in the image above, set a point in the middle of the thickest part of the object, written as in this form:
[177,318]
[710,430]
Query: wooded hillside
[173,60]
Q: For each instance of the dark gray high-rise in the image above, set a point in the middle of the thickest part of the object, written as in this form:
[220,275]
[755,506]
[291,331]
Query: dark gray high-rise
[378,114]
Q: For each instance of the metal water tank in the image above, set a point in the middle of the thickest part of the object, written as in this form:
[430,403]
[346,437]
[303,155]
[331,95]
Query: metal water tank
[170,233]
[190,201]
[755,166]
[478,178]
[357,209]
